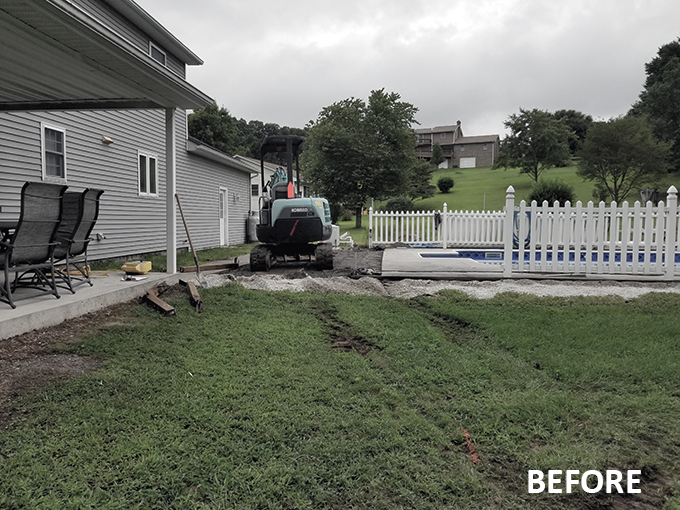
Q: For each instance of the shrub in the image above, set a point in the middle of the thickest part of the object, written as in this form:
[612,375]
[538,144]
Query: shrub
[445,184]
[401,203]
[552,191]
[346,215]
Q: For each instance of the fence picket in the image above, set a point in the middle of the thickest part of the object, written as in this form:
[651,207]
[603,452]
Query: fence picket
[588,239]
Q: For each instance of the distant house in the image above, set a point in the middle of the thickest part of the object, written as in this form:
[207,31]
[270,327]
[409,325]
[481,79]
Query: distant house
[93,93]
[460,151]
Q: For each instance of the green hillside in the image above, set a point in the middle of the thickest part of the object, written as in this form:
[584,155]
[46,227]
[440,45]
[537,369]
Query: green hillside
[478,189]
[485,188]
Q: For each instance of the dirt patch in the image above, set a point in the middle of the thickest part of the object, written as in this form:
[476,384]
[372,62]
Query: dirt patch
[29,363]
[339,332]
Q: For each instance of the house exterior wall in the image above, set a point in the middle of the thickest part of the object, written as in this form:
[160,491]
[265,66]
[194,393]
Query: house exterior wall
[445,136]
[126,219]
[131,223]
[484,153]
[115,21]
[199,181]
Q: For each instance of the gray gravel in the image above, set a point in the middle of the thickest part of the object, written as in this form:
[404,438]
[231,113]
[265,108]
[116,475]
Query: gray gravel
[301,278]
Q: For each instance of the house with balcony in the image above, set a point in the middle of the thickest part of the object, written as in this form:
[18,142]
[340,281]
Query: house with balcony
[93,94]
[459,151]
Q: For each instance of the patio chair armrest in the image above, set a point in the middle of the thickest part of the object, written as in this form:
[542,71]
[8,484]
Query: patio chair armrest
[32,245]
[86,240]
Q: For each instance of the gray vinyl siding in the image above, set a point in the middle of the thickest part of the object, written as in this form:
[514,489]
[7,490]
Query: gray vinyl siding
[132,224]
[198,185]
[122,26]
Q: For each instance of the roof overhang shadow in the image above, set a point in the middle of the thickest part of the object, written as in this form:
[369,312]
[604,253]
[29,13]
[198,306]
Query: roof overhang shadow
[56,56]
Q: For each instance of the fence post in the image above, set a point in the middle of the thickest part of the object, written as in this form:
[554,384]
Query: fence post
[370,228]
[445,227]
[507,231]
[671,225]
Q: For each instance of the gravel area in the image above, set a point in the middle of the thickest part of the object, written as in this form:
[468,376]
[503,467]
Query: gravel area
[351,268]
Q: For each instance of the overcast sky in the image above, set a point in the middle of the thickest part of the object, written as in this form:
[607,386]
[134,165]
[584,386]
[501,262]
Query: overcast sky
[476,61]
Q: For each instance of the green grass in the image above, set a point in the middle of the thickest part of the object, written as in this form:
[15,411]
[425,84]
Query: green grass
[184,258]
[248,405]
[485,189]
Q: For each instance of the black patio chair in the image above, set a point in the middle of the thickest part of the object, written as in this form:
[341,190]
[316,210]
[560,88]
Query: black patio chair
[80,213]
[28,253]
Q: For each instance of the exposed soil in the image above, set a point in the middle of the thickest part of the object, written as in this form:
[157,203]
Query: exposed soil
[31,361]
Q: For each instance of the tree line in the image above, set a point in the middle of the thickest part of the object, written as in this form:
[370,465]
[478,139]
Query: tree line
[215,126]
[359,150]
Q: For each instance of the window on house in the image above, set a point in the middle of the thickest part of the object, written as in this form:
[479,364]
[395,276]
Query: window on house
[255,190]
[148,175]
[462,148]
[442,135]
[53,141]
[484,148]
[156,53]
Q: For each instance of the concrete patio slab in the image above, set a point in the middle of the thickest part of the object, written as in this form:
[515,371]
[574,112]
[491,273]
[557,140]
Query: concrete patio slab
[36,310]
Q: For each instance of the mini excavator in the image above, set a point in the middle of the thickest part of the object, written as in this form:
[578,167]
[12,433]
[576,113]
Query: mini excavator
[290,226]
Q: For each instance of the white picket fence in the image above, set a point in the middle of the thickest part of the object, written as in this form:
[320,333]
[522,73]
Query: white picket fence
[613,239]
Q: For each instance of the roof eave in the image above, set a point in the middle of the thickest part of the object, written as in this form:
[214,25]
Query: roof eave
[195,146]
[160,34]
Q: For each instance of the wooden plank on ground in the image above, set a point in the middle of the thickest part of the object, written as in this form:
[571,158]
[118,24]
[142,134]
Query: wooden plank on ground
[212,266]
[153,299]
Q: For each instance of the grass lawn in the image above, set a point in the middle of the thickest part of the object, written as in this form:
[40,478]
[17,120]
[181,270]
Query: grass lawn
[478,189]
[184,258]
[251,404]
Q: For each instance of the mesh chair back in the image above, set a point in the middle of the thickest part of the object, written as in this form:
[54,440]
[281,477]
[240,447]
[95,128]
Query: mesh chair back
[38,222]
[71,215]
[90,213]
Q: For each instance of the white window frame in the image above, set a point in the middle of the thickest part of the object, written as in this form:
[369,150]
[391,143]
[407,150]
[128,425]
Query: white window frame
[153,47]
[43,152]
[146,192]
[442,135]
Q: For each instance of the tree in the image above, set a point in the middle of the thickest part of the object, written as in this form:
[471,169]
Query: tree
[419,180]
[215,126]
[660,99]
[437,155]
[621,156]
[537,141]
[357,150]
[578,123]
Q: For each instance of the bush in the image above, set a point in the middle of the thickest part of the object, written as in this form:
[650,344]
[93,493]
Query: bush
[445,184]
[402,203]
[552,191]
[346,215]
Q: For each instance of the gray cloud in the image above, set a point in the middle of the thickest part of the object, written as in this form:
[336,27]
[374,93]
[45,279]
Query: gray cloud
[471,60]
